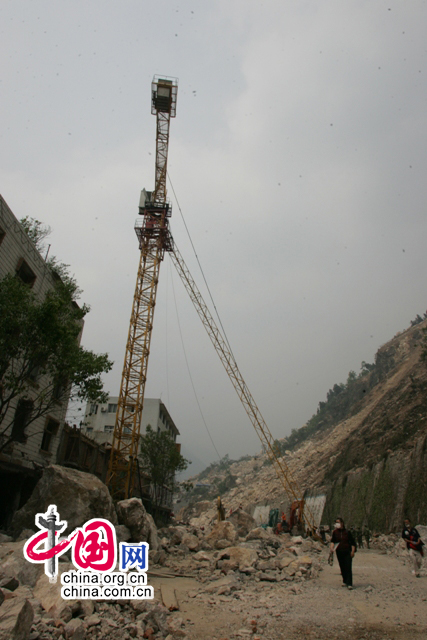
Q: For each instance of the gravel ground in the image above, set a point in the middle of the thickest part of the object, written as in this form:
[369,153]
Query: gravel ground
[386,603]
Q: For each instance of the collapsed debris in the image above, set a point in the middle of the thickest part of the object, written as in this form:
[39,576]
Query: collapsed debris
[221,559]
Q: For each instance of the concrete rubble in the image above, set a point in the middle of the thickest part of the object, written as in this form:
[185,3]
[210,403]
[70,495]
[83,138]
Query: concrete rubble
[222,561]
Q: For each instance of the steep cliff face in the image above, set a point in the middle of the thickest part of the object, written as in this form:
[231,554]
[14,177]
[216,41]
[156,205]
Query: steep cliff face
[372,464]
[379,472]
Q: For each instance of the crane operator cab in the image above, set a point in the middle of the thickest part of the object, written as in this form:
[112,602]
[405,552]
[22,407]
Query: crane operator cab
[164,92]
[154,222]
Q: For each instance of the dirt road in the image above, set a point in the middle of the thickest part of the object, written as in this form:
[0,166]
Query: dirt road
[386,603]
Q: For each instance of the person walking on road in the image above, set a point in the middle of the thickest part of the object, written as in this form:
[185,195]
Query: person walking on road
[414,544]
[343,543]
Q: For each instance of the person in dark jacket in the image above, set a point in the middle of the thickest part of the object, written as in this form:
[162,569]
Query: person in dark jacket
[414,545]
[343,543]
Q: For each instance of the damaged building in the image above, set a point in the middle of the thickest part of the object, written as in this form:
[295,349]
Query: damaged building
[31,448]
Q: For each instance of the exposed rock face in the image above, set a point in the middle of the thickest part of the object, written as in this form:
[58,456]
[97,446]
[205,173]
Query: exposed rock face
[370,460]
[78,497]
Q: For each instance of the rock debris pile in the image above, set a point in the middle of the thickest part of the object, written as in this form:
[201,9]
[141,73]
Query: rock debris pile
[393,544]
[226,560]
[259,556]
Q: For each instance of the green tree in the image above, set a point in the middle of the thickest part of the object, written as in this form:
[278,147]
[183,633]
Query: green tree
[37,233]
[161,460]
[351,378]
[366,368]
[41,360]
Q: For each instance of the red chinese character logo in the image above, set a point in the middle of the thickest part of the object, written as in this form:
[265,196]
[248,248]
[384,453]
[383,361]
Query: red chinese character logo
[95,546]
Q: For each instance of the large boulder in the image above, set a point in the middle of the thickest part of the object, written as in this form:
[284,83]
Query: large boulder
[191,541]
[132,514]
[242,521]
[78,497]
[14,565]
[262,534]
[176,534]
[222,535]
[237,558]
[153,537]
[16,619]
[49,594]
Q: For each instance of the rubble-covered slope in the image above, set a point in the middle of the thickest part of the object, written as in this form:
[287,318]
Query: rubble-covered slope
[372,464]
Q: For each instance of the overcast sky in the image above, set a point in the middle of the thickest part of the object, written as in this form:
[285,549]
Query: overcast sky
[299,159]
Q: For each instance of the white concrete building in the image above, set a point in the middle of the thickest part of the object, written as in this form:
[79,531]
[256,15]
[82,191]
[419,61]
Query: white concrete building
[99,419]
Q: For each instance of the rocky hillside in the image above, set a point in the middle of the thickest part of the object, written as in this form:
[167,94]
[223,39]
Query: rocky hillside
[366,449]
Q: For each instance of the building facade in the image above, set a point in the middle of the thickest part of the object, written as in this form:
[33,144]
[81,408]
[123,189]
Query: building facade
[98,424]
[99,419]
[21,461]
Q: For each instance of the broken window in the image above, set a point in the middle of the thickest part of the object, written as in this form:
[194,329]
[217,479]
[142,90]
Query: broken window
[21,420]
[24,271]
[50,431]
[108,428]
[2,235]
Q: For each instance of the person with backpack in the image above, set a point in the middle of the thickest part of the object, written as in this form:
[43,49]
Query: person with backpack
[344,545]
[414,544]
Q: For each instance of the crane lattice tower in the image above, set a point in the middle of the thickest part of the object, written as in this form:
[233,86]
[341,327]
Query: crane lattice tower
[153,233]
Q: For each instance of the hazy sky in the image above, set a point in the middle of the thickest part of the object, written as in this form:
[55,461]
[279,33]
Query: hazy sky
[298,156]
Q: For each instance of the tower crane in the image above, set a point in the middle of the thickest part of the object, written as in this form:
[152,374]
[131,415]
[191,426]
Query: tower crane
[154,239]
[226,356]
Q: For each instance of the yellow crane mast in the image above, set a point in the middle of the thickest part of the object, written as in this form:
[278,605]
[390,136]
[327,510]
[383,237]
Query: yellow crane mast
[291,487]
[154,239]
[153,233]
